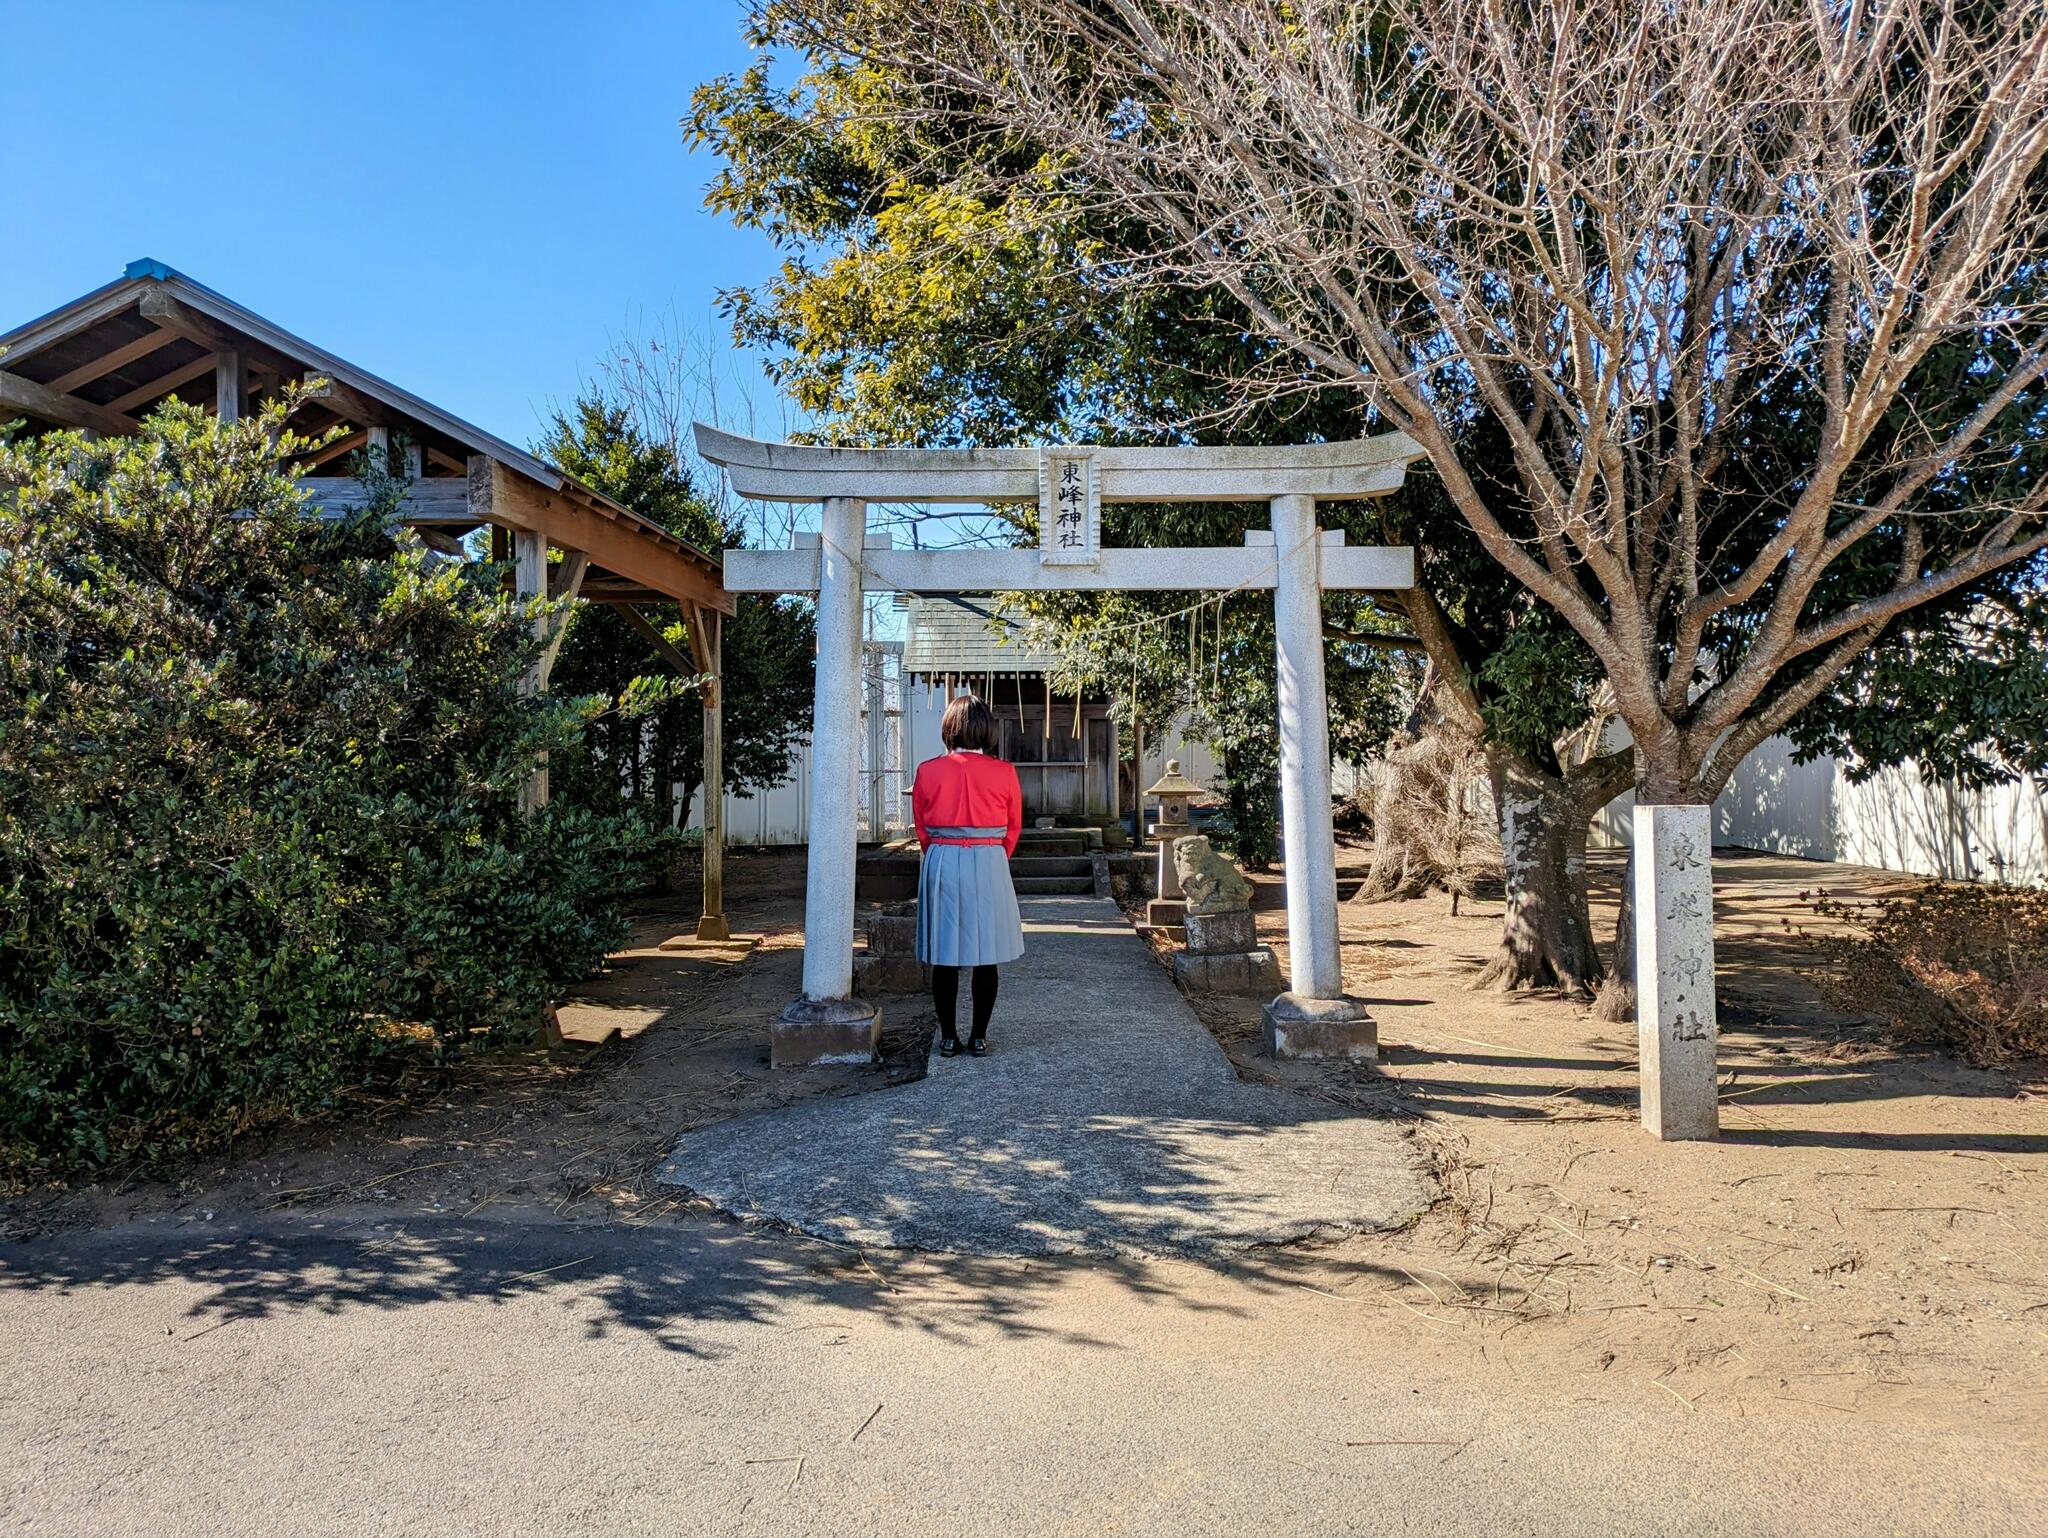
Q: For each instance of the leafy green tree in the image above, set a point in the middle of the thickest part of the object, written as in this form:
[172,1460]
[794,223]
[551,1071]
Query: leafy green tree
[767,649]
[259,832]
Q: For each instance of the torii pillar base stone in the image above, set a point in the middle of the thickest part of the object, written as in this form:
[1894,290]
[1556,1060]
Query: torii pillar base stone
[1297,1026]
[812,1031]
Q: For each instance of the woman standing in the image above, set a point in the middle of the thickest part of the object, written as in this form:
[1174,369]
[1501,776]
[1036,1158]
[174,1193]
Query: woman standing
[969,811]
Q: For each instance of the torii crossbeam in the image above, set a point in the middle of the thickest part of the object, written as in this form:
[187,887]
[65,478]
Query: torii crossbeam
[1293,559]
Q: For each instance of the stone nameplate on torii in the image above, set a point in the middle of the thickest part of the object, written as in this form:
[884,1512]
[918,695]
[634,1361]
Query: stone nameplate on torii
[1069,507]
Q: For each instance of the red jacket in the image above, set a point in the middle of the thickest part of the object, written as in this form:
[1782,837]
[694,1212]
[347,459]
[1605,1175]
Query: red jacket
[968,790]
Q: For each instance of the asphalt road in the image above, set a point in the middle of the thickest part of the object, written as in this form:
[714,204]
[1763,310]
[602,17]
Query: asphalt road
[366,1377]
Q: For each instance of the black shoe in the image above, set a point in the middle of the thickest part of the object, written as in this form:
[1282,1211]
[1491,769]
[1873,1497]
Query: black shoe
[949,1046]
[977,1046]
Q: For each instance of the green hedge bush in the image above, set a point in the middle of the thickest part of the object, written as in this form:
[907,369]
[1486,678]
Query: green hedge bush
[259,834]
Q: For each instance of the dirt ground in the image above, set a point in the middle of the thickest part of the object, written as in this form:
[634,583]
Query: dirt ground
[1866,1239]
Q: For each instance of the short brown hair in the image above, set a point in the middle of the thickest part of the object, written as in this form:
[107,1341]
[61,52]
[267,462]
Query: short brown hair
[969,723]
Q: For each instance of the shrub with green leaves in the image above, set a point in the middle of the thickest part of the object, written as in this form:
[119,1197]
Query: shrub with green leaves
[259,835]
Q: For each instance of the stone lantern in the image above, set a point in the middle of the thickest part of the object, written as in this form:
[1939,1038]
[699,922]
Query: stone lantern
[1173,791]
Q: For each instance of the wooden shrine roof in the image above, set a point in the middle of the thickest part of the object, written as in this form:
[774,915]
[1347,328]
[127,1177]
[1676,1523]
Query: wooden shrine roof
[106,359]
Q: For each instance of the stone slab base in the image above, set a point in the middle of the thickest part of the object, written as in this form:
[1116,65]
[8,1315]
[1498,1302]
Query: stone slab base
[892,934]
[1254,973]
[1303,1027]
[874,974]
[1232,932]
[814,1031]
[731,948]
[1164,911]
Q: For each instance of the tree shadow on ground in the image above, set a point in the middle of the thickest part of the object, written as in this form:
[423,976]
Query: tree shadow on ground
[679,1285]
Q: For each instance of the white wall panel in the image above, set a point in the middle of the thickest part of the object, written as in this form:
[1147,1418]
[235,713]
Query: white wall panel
[1894,821]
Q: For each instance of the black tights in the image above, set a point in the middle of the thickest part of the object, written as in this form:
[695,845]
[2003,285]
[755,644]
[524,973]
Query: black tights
[946,995]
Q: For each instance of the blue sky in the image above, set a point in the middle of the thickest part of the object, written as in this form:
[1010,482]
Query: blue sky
[468,199]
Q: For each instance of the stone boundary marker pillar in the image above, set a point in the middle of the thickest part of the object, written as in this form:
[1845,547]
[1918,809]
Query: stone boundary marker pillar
[1677,1027]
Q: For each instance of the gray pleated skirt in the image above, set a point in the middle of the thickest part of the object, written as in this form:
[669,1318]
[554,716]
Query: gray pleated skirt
[966,907]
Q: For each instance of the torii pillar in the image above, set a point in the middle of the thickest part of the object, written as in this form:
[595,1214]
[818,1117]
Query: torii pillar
[827,1024]
[1314,1017]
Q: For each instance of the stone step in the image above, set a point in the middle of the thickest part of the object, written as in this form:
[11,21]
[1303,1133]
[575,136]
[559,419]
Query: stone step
[1054,886]
[1053,844]
[1022,864]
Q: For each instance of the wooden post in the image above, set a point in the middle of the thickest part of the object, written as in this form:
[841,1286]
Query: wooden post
[874,685]
[530,550]
[707,640]
[227,386]
[707,660]
[1116,772]
[1138,784]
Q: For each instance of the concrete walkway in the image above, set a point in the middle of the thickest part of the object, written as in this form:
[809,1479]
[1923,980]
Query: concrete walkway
[1106,1120]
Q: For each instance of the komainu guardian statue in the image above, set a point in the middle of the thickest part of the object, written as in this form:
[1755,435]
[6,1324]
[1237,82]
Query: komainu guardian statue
[1211,883]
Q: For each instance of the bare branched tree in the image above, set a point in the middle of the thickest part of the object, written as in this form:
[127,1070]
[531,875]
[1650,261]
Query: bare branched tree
[670,376]
[1756,291]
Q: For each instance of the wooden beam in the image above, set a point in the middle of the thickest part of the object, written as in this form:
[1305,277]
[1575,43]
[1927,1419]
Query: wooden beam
[19,394]
[561,584]
[106,363]
[650,632]
[163,384]
[358,410]
[502,496]
[442,544]
[336,449]
[160,307]
[439,503]
[60,325]
[599,590]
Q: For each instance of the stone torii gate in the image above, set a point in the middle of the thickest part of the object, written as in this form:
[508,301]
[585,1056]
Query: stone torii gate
[1293,559]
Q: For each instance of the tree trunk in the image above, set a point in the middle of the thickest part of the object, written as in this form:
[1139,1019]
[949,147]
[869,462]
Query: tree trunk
[1617,1001]
[1546,931]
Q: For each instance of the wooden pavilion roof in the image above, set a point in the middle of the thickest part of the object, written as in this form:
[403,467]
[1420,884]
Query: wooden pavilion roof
[105,360]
